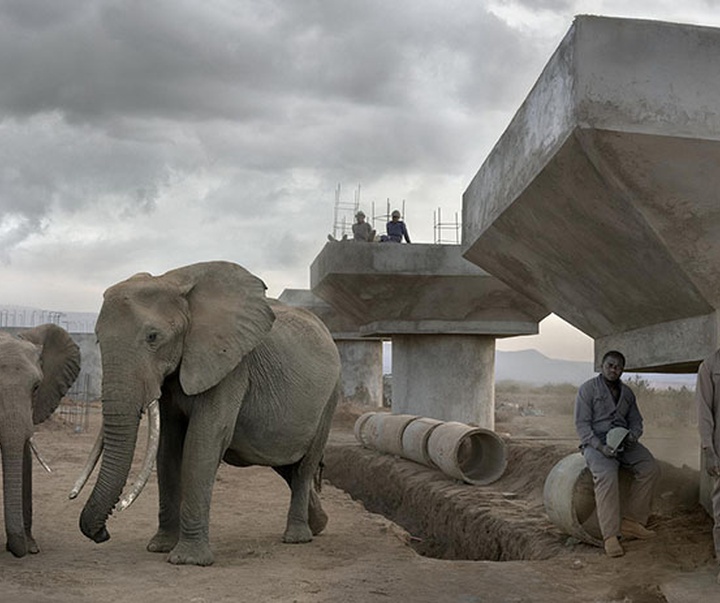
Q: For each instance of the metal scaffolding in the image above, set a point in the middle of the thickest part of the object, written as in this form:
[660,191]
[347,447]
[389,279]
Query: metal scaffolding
[446,233]
[344,215]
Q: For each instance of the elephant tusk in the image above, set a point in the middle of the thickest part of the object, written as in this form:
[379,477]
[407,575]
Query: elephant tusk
[89,466]
[39,457]
[148,461]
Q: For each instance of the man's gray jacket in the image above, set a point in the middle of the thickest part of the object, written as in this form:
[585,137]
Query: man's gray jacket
[596,412]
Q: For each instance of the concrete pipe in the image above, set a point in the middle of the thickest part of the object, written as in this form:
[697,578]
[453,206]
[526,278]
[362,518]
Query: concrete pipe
[383,432]
[569,499]
[359,423]
[475,455]
[415,438]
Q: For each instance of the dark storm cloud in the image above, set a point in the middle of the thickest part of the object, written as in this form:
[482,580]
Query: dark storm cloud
[110,99]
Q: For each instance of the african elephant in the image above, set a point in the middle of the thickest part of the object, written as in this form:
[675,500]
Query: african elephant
[238,377]
[37,367]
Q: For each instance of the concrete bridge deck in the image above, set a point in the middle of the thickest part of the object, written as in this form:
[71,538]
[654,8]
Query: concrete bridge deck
[600,200]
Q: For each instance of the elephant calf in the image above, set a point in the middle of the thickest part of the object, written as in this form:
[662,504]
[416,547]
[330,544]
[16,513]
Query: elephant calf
[236,376]
[37,367]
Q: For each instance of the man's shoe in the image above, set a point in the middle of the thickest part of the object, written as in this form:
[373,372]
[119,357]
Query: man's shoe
[632,529]
[613,548]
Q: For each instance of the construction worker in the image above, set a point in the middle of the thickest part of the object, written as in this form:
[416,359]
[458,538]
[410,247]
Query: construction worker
[604,403]
[707,396]
[396,229]
[362,231]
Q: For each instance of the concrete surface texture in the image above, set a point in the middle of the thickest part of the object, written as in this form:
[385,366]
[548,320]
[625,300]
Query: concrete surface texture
[419,289]
[361,357]
[442,313]
[450,378]
[600,199]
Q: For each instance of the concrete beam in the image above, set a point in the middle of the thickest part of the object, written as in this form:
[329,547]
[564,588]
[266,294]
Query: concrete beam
[599,201]
[428,288]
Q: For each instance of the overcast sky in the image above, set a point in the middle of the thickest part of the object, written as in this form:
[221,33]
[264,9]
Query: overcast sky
[143,136]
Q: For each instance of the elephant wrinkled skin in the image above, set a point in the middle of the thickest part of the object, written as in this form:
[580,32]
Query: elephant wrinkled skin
[239,378]
[37,367]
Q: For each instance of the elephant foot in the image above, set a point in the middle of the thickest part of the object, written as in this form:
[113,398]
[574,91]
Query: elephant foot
[317,520]
[297,534]
[191,553]
[32,546]
[162,542]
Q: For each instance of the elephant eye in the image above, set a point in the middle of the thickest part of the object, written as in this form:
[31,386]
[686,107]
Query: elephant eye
[151,337]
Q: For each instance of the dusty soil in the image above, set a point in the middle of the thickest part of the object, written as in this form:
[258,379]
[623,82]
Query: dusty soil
[512,552]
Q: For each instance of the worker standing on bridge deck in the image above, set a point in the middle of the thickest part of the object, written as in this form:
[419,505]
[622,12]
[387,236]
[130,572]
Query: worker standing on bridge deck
[707,396]
[604,408]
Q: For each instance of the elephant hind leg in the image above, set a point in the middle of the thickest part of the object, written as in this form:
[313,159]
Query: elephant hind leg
[306,516]
[298,529]
[317,518]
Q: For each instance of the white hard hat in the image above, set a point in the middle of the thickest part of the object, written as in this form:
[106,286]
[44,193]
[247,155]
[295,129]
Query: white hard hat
[615,437]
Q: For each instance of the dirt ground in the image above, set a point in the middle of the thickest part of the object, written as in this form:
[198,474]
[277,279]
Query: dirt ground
[512,553]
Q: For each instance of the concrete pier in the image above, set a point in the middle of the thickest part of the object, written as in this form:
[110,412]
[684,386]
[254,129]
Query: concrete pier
[361,357]
[599,201]
[442,313]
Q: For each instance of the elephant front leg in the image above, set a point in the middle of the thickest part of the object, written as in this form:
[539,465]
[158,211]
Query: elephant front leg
[204,447]
[169,461]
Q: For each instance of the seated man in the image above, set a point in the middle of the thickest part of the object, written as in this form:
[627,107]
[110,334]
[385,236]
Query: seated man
[362,231]
[396,230]
[603,403]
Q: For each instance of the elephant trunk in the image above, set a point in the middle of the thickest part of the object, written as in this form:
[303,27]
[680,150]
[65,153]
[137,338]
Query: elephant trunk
[120,429]
[12,464]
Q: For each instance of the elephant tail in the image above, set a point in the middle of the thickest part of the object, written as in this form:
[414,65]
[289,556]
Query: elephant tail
[317,478]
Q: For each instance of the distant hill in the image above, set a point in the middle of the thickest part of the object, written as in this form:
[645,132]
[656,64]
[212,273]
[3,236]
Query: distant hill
[534,368]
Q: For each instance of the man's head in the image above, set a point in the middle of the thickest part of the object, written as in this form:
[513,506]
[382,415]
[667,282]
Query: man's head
[360,216]
[395,215]
[613,364]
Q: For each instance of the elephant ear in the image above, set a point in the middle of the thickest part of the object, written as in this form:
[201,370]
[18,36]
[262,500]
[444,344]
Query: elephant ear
[229,316]
[60,363]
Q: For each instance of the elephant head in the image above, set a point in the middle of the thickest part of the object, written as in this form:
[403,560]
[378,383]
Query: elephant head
[37,367]
[197,322]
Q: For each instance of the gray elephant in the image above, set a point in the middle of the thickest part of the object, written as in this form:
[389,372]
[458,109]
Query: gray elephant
[37,367]
[238,377]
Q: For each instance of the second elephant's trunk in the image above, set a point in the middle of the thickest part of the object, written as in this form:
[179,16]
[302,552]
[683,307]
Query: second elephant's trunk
[12,501]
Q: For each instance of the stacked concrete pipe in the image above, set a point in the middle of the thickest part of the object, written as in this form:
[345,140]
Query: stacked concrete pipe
[472,454]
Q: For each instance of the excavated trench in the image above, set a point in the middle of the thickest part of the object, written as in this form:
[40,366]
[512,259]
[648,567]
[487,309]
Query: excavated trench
[448,519]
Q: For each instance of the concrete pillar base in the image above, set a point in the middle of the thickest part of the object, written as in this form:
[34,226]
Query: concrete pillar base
[362,371]
[445,377]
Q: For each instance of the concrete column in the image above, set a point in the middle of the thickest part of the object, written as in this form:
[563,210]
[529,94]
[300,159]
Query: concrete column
[445,377]
[362,371]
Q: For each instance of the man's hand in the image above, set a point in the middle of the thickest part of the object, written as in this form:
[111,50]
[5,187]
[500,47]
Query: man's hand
[712,462]
[630,439]
[607,451]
